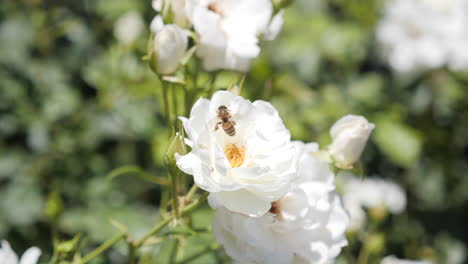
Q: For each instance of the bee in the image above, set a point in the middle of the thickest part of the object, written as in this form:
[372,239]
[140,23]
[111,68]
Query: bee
[226,123]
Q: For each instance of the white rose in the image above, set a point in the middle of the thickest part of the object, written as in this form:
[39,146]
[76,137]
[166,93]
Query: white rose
[244,172]
[307,225]
[8,256]
[394,260]
[170,44]
[370,193]
[228,31]
[413,43]
[128,27]
[350,134]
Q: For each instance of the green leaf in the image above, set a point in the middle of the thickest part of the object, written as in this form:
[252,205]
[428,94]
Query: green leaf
[398,142]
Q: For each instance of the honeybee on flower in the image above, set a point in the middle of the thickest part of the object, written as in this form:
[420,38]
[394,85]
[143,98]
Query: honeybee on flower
[244,171]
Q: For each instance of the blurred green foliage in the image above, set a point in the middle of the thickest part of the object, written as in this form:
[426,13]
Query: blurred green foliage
[76,104]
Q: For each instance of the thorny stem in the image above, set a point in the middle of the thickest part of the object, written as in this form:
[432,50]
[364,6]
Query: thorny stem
[102,247]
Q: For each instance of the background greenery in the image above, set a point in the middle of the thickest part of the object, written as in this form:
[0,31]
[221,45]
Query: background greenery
[76,104]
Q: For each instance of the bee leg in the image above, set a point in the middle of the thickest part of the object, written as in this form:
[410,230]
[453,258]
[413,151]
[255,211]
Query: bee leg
[216,127]
[233,122]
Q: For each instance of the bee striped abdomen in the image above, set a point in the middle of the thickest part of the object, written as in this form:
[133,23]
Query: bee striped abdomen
[229,128]
[228,125]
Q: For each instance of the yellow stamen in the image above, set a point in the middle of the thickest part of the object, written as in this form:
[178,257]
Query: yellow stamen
[235,155]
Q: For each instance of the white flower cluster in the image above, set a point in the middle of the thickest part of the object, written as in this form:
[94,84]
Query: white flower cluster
[370,193]
[425,34]
[8,256]
[227,31]
[275,199]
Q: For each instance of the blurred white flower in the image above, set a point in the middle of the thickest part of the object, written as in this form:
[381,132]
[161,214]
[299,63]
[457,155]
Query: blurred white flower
[244,172]
[178,9]
[413,42]
[170,44]
[8,256]
[307,225]
[228,31]
[394,260]
[350,134]
[370,193]
[128,27]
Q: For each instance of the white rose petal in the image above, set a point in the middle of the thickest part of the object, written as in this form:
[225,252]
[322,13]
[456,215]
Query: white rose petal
[307,225]
[350,134]
[8,256]
[228,31]
[170,44]
[244,172]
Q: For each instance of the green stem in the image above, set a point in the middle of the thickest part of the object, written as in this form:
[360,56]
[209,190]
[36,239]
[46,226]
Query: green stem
[174,105]
[363,255]
[191,192]
[211,86]
[131,255]
[187,103]
[137,170]
[102,248]
[55,242]
[166,221]
[154,231]
[175,251]
[165,100]
[174,186]
[164,201]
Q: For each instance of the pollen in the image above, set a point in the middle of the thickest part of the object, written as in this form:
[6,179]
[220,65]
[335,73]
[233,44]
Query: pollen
[235,155]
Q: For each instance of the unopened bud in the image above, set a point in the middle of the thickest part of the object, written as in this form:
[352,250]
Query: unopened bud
[176,146]
[350,135]
[169,46]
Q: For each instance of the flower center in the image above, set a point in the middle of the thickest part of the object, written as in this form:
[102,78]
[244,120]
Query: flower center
[215,8]
[275,208]
[235,155]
